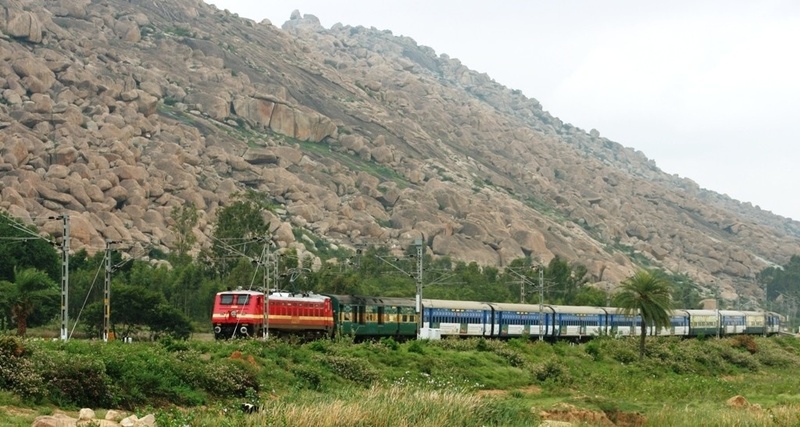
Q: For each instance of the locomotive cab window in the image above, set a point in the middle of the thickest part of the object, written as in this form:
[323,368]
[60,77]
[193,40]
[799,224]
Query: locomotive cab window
[226,299]
[242,299]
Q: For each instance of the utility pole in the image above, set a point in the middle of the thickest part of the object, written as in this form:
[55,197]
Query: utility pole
[64,278]
[541,301]
[359,251]
[766,309]
[266,261]
[419,285]
[107,294]
[521,291]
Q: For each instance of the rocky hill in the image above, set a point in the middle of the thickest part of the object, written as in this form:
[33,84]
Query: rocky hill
[115,111]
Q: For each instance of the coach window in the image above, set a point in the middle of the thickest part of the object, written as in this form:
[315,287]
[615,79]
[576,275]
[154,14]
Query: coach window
[226,299]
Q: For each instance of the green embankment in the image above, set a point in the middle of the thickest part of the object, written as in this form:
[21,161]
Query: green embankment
[452,382]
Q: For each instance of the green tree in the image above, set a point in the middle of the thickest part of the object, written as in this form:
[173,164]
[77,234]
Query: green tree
[22,249]
[134,308]
[567,280]
[185,217]
[783,280]
[648,293]
[31,291]
[685,293]
[590,296]
[239,228]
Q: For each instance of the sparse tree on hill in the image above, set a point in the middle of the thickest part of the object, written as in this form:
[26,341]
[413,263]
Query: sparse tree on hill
[185,217]
[647,293]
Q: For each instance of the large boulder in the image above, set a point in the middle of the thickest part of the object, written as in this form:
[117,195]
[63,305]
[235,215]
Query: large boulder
[34,74]
[257,112]
[24,25]
[466,249]
[215,106]
[301,124]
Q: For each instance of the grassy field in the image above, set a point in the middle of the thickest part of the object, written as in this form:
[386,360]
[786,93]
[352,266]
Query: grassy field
[739,381]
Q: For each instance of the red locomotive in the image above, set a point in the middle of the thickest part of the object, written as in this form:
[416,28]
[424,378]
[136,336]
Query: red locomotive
[243,313]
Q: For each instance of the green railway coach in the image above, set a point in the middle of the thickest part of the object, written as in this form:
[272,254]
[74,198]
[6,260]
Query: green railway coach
[374,317]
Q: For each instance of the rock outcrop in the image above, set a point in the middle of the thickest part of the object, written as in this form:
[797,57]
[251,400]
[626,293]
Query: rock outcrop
[116,112]
[87,417]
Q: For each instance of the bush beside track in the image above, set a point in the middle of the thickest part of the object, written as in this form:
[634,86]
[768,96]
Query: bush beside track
[603,375]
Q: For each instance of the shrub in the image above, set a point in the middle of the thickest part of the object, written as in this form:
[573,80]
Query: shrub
[321,346]
[776,357]
[390,343]
[625,355]
[308,377]
[223,378]
[11,346]
[172,344]
[17,372]
[593,349]
[455,343]
[355,370]
[416,347]
[552,371]
[746,342]
[512,357]
[75,379]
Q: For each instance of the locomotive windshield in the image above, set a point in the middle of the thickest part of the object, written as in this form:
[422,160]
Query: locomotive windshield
[228,299]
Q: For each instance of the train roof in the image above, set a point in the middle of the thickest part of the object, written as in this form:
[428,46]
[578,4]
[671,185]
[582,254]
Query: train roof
[241,292]
[568,309]
[298,296]
[732,313]
[619,310]
[456,305]
[370,300]
[529,308]
[614,310]
[703,312]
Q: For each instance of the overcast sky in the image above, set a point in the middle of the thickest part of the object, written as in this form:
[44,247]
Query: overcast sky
[708,89]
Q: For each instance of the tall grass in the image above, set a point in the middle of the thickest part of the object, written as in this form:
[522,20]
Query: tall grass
[378,406]
[455,382]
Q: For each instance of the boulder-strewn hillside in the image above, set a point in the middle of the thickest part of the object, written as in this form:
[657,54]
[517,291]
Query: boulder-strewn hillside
[116,111]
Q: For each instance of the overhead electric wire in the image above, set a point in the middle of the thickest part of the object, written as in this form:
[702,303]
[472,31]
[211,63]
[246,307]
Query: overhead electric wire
[74,325]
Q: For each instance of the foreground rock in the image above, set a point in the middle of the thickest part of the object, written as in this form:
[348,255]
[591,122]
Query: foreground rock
[86,417]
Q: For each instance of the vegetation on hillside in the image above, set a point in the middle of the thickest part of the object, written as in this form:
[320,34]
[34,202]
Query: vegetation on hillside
[179,294]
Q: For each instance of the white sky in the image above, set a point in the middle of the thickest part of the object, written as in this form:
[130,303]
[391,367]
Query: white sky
[708,89]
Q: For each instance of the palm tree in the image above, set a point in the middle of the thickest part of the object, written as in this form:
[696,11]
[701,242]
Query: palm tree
[31,288]
[647,293]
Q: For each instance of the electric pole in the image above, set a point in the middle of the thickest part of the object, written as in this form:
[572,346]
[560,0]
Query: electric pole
[64,278]
[541,301]
[107,294]
[419,285]
[265,257]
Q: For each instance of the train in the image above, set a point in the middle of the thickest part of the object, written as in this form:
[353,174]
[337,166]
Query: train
[247,313]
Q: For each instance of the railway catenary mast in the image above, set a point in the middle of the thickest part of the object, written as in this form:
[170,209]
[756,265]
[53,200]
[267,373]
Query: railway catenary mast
[419,286]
